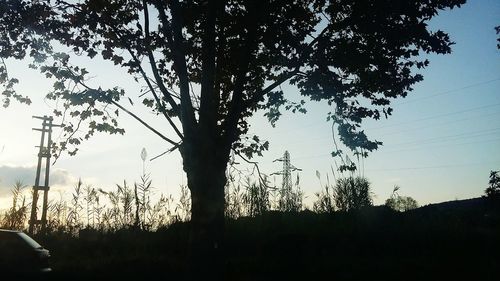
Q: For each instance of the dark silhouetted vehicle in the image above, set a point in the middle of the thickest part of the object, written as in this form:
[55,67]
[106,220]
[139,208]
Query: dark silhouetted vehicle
[21,255]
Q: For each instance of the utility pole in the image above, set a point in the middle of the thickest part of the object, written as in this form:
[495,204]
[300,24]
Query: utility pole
[286,192]
[43,154]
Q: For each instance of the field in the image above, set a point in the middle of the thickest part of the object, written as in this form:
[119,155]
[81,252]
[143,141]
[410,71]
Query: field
[456,240]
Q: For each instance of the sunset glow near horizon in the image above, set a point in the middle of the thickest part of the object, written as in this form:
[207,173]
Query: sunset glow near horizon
[440,143]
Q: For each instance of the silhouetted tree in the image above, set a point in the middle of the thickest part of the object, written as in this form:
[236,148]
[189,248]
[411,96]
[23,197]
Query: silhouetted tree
[400,203]
[493,189]
[212,64]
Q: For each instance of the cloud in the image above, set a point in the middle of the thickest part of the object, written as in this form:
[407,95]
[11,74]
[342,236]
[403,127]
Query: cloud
[26,174]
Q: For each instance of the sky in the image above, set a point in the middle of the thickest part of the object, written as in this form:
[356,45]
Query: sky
[440,143]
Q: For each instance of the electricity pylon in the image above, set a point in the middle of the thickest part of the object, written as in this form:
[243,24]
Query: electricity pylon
[43,154]
[286,200]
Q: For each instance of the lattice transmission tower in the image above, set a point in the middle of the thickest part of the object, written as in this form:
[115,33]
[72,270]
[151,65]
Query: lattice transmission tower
[286,194]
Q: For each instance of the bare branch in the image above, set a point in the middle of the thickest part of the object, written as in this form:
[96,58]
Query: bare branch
[256,166]
[174,37]
[151,88]
[152,62]
[166,152]
[134,116]
[142,122]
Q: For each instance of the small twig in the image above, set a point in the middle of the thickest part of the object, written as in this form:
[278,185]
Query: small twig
[256,166]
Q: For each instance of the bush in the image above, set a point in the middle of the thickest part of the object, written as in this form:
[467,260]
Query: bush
[400,203]
[352,193]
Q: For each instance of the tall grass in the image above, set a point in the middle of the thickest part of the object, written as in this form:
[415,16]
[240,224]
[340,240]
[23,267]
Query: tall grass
[142,193]
[183,207]
[256,198]
[290,198]
[16,216]
[89,207]
[348,193]
[137,206]
[76,207]
[352,193]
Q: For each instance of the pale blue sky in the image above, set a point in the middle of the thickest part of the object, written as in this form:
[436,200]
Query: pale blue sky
[439,145]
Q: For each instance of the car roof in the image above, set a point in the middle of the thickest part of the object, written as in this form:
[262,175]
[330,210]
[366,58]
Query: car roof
[8,230]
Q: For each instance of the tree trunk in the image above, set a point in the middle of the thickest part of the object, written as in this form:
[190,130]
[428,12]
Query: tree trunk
[206,181]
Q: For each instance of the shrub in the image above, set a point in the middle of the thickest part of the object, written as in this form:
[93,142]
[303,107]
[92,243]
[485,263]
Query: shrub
[352,193]
[400,203]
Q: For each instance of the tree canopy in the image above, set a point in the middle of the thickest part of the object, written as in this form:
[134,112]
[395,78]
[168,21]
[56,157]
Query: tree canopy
[493,189]
[208,65]
[212,64]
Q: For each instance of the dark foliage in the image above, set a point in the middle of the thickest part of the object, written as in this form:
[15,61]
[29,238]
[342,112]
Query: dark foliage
[352,193]
[354,55]
[343,52]
[400,203]
[455,240]
[493,189]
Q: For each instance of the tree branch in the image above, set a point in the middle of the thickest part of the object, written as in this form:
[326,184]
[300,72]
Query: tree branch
[166,152]
[157,99]
[209,100]
[284,77]
[237,105]
[152,61]
[133,115]
[143,123]
[260,95]
[174,37]
[158,79]
[256,165]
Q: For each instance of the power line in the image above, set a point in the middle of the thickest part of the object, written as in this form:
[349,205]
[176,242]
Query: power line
[466,134]
[441,124]
[408,101]
[406,149]
[442,145]
[435,116]
[404,123]
[448,91]
[436,167]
